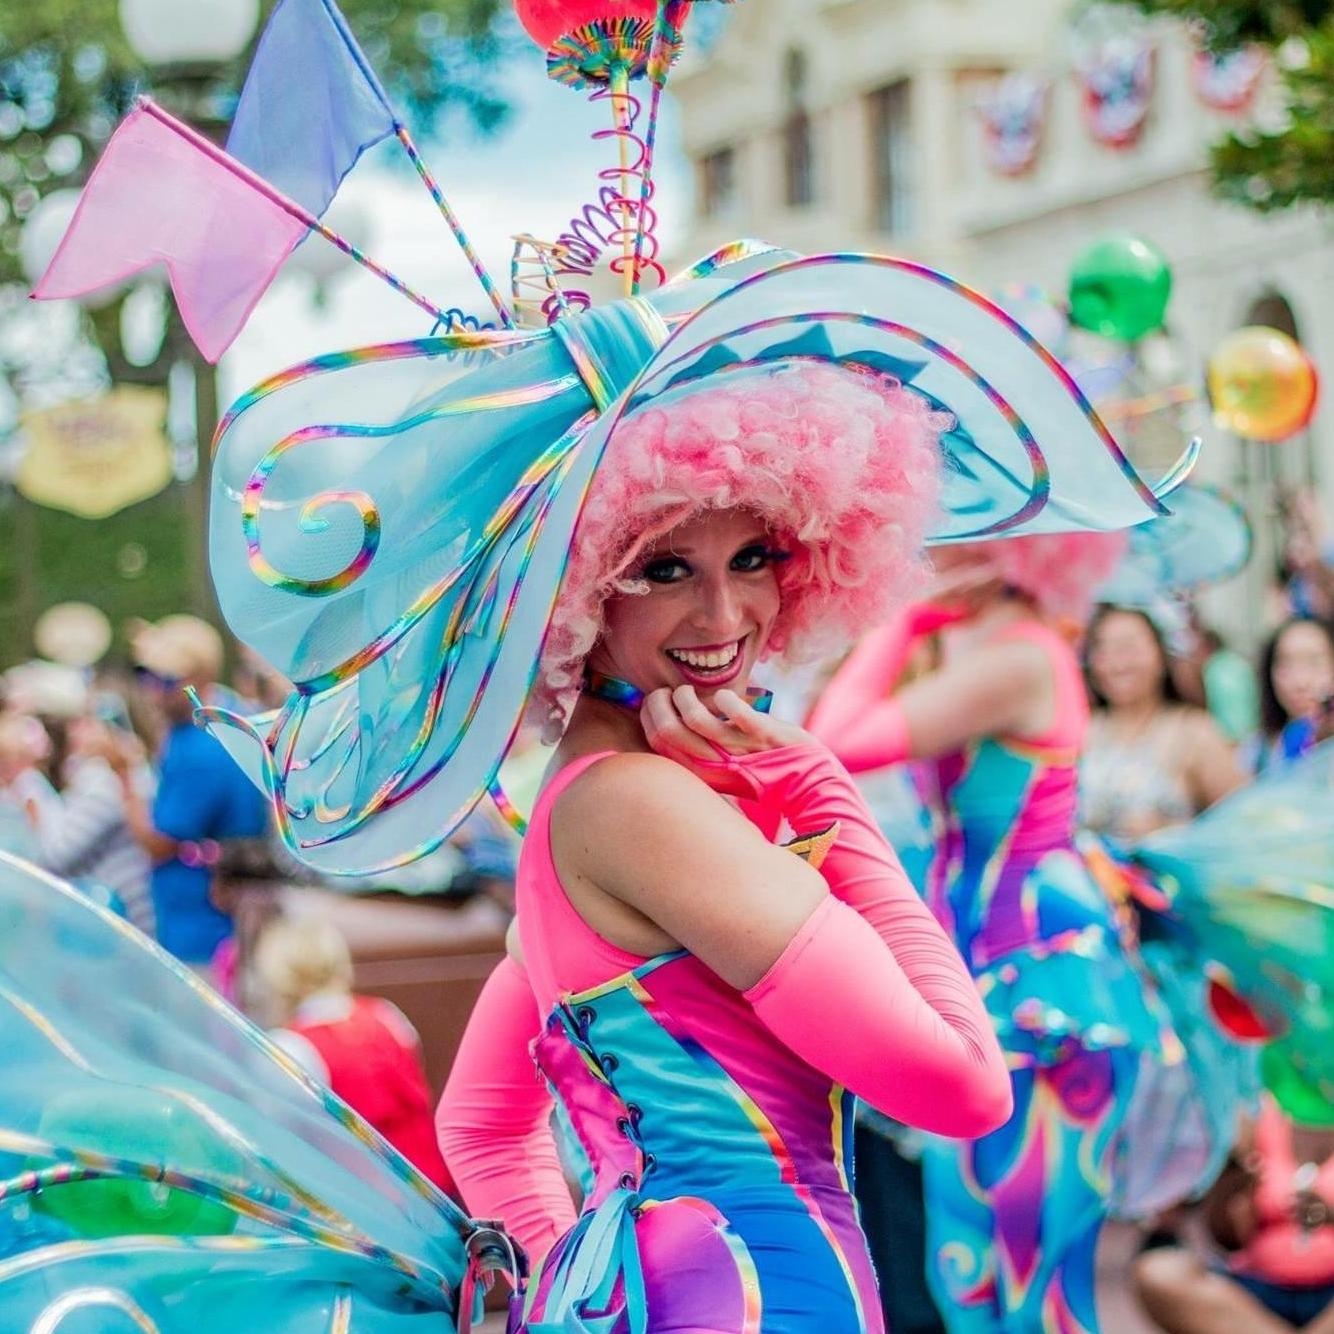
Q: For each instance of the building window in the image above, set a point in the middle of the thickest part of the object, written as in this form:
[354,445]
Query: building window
[717,182]
[798,157]
[893,205]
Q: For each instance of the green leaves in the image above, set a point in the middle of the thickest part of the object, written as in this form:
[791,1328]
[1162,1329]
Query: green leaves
[1280,167]
[1232,24]
[67,75]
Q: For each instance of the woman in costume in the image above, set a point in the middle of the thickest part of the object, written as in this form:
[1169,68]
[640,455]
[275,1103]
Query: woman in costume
[664,943]
[1149,759]
[1296,693]
[1013,1219]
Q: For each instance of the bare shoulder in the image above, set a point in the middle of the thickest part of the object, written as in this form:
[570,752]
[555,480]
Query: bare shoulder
[633,786]
[638,824]
[1016,660]
[1200,727]
[641,845]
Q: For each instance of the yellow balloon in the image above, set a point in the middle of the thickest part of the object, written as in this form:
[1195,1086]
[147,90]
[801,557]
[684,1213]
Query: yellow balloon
[1262,385]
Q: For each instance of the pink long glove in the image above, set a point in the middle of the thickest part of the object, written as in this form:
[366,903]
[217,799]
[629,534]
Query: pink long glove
[855,716]
[493,1120]
[903,1026]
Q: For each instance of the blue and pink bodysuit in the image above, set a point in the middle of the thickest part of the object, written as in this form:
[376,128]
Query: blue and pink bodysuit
[722,1202]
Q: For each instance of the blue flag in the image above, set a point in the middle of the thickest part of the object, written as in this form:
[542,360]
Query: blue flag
[311,104]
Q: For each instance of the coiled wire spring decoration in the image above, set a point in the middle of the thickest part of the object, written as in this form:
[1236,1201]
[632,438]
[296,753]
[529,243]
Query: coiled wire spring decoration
[620,221]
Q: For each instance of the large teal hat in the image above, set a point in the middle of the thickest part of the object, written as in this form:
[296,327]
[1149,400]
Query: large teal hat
[390,525]
[1205,540]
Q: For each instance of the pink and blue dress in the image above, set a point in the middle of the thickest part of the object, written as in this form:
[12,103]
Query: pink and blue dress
[722,1200]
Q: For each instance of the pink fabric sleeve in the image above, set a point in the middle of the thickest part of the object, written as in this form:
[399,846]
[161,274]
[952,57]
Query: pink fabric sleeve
[908,1030]
[856,716]
[922,1052]
[494,1118]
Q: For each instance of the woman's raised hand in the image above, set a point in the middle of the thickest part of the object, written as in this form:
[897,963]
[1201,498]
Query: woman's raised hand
[679,726]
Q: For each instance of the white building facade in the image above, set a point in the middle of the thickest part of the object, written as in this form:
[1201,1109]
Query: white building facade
[853,124]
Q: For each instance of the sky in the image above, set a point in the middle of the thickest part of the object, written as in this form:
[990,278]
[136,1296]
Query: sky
[530,176]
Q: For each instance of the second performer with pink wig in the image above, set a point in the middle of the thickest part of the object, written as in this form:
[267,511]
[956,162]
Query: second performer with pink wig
[1013,1219]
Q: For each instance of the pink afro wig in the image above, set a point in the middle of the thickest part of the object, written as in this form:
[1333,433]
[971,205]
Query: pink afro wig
[1061,572]
[841,464]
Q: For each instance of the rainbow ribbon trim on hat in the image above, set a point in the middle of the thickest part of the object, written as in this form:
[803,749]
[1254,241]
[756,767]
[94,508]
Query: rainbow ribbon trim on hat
[351,758]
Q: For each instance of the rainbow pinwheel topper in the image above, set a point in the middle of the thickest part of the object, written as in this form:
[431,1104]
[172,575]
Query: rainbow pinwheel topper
[390,525]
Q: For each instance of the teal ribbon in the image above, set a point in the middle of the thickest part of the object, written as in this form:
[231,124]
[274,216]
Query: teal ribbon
[601,1249]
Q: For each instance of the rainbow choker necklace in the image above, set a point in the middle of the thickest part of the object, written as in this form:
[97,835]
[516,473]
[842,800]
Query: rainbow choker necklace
[616,691]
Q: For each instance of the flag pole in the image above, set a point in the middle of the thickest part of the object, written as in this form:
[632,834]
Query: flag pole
[451,319]
[455,226]
[404,138]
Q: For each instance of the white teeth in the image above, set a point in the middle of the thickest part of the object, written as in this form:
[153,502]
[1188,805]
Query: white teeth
[711,661]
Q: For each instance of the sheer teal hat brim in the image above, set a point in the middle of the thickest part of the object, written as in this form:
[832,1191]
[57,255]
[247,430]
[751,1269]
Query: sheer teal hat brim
[243,1194]
[1205,540]
[390,526]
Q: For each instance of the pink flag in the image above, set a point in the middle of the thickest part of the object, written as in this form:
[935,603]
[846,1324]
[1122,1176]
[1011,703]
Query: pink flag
[162,193]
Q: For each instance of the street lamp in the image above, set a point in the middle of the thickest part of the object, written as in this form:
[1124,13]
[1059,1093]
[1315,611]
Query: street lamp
[189,44]
[188,32]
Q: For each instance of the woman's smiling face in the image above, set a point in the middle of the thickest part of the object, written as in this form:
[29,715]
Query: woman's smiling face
[709,610]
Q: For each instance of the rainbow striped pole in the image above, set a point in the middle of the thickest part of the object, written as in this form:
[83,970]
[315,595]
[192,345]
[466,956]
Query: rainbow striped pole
[455,226]
[665,34]
[450,318]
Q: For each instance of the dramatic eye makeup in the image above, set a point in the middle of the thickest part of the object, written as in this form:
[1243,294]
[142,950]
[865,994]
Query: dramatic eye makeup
[671,567]
[756,556]
[665,570]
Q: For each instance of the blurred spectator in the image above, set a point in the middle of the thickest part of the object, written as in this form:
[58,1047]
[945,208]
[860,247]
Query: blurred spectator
[23,744]
[362,1047]
[1150,759]
[69,793]
[1307,562]
[1217,677]
[490,852]
[1273,1211]
[202,797]
[1296,693]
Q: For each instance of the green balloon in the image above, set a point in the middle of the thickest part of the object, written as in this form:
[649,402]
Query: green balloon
[149,1127]
[1301,1082]
[1119,288]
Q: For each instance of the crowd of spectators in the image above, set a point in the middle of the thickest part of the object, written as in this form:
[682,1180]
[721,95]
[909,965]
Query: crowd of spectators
[106,781]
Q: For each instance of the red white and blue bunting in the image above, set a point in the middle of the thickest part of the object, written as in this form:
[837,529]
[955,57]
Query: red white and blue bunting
[1013,113]
[1229,80]
[1116,81]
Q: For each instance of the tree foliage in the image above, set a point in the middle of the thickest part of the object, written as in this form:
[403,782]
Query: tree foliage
[1269,169]
[1230,24]
[67,74]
